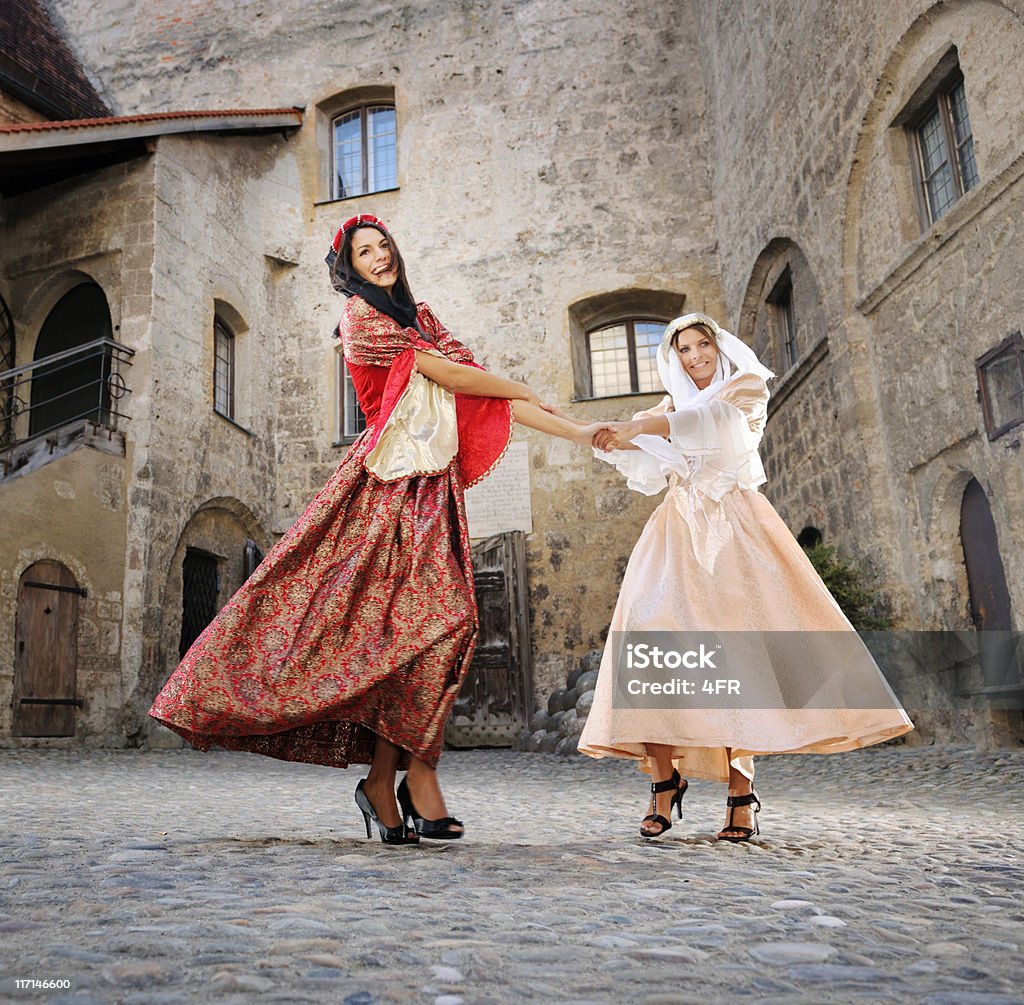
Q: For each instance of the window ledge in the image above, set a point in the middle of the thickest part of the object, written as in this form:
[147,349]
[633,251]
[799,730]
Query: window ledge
[797,373]
[231,422]
[362,195]
[963,212]
[625,394]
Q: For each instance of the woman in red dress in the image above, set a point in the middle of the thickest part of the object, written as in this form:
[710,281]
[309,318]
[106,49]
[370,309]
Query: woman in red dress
[351,641]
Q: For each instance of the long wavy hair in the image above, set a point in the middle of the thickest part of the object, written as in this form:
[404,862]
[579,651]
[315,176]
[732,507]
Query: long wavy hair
[342,272]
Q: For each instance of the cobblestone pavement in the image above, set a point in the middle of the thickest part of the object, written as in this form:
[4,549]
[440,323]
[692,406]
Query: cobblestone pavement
[150,878]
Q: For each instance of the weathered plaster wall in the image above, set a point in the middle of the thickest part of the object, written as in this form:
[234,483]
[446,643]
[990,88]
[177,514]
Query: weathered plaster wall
[546,153]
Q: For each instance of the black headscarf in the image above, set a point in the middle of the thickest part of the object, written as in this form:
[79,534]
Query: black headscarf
[400,308]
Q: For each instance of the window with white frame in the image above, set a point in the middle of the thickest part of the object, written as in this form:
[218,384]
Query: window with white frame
[364,144]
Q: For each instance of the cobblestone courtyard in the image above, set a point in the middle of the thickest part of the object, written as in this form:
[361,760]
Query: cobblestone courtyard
[152,878]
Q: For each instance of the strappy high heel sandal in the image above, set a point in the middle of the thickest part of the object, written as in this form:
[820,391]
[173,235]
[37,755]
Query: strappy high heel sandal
[441,829]
[389,835]
[676,785]
[745,833]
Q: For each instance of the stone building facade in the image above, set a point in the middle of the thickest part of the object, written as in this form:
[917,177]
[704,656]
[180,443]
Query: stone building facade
[558,167]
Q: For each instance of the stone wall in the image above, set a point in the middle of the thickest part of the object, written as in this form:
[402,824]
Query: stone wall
[548,154]
[84,499]
[210,257]
[54,239]
[802,103]
[545,155]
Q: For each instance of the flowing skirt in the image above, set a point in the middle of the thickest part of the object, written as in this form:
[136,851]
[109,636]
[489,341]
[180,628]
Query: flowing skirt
[360,622]
[761,582]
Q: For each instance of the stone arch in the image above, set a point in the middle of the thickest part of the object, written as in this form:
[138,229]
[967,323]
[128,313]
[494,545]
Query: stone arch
[35,303]
[218,528]
[946,569]
[781,260]
[75,387]
[914,55]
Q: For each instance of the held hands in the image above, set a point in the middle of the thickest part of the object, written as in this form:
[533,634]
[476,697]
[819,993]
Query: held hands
[603,435]
[616,435]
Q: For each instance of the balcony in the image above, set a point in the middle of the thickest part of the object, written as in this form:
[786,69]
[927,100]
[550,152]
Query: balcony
[54,405]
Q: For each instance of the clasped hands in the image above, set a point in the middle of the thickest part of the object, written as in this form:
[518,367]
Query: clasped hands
[603,435]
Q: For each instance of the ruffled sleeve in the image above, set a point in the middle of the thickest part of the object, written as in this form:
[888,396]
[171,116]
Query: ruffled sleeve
[731,422]
[369,338]
[713,445]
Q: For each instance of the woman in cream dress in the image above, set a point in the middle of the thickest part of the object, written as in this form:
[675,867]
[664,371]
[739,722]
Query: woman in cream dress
[716,558]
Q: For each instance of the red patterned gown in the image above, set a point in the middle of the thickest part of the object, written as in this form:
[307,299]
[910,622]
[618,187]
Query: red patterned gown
[362,619]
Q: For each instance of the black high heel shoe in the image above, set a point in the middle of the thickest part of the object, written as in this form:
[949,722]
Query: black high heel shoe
[745,833]
[674,784]
[437,830]
[389,835]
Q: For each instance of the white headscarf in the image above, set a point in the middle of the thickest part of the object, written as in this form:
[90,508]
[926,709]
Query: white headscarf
[647,469]
[734,358]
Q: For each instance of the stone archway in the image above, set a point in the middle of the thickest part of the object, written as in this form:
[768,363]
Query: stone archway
[76,386]
[989,595]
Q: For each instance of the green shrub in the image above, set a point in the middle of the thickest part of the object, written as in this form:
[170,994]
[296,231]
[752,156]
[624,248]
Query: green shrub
[846,582]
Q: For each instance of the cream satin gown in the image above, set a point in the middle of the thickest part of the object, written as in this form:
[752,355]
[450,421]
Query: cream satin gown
[717,557]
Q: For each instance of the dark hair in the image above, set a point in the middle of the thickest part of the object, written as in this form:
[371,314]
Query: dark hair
[342,270]
[697,324]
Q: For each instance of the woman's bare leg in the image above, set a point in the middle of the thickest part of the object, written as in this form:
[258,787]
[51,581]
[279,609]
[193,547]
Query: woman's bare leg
[425,791]
[380,782]
[742,816]
[660,755]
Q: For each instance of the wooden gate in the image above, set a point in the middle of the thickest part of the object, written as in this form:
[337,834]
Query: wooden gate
[990,598]
[46,651]
[496,700]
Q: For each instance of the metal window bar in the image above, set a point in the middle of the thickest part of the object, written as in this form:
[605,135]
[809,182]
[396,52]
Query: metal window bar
[97,395]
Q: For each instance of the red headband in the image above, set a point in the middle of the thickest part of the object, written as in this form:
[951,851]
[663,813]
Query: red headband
[362,220]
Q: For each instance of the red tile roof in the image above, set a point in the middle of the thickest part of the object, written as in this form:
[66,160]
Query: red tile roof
[217,113]
[38,67]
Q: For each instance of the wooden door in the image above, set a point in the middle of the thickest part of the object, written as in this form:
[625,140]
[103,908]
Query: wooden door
[496,700]
[990,598]
[46,651]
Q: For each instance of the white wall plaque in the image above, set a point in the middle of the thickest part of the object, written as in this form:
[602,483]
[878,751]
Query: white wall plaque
[501,502]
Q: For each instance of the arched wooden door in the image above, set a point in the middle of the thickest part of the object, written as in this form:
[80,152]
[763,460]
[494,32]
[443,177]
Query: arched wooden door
[990,597]
[46,651]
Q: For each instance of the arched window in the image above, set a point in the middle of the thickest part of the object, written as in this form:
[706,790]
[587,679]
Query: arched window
[615,338]
[782,316]
[364,150]
[75,386]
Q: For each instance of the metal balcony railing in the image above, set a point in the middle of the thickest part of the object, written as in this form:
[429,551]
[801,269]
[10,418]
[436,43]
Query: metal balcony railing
[85,382]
